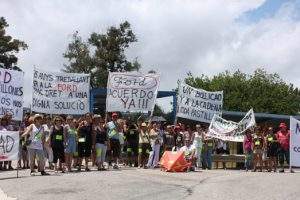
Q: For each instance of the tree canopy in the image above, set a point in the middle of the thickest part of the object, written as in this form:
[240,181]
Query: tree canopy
[9,47]
[101,54]
[262,91]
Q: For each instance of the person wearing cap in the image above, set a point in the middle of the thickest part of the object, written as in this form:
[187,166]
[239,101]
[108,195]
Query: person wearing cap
[144,145]
[70,134]
[283,138]
[197,139]
[35,144]
[114,139]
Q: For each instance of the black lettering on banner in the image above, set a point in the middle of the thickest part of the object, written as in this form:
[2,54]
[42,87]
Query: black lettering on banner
[296,149]
[75,105]
[6,144]
[124,102]
[37,103]
[5,77]
[297,128]
[187,90]
[5,101]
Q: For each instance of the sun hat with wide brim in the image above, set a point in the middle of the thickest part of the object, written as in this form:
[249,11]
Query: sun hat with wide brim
[37,116]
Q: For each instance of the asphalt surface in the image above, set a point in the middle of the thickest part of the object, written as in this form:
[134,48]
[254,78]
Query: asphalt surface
[144,184]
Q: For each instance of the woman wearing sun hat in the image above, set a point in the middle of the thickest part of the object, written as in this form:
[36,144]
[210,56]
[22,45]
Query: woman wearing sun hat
[35,144]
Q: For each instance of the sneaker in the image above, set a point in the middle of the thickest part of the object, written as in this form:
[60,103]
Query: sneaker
[32,173]
[10,168]
[115,167]
[87,169]
[43,173]
[292,171]
[281,171]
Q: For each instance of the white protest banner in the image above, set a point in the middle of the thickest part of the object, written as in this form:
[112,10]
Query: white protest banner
[229,130]
[60,93]
[9,145]
[11,93]
[246,123]
[131,91]
[198,104]
[294,142]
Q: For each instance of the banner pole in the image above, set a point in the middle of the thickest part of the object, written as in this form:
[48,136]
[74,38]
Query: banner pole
[291,136]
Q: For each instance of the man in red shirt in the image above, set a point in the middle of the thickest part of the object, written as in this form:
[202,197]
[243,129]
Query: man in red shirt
[283,137]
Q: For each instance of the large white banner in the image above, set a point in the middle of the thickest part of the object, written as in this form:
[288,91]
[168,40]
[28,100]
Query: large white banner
[198,104]
[229,130]
[131,92]
[11,93]
[9,145]
[60,93]
[294,142]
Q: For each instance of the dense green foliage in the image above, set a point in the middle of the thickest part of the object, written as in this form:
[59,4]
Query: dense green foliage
[101,54]
[262,91]
[9,47]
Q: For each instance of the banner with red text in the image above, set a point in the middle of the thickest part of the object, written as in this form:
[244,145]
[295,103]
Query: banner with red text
[60,93]
[131,92]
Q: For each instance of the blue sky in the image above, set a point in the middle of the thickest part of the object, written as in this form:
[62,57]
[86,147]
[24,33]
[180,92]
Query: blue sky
[267,10]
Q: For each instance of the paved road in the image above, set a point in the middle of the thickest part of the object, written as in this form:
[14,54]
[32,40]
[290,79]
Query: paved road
[140,184]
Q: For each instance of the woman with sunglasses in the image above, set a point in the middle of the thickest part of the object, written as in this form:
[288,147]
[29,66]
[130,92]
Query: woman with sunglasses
[70,132]
[57,143]
[100,140]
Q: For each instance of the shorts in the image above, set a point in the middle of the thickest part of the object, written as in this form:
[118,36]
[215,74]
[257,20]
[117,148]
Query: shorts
[132,149]
[144,149]
[58,153]
[115,148]
[84,150]
[71,146]
[100,152]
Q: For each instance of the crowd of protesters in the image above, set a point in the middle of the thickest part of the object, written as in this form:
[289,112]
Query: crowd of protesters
[61,143]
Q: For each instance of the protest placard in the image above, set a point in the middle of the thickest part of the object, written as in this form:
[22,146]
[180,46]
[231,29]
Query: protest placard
[131,92]
[60,93]
[294,142]
[198,104]
[11,93]
[231,131]
[9,145]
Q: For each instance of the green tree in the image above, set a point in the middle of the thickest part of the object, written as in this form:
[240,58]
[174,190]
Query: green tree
[9,47]
[101,54]
[262,91]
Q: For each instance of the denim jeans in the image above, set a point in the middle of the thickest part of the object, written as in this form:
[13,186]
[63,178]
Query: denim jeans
[207,158]
[248,159]
[283,155]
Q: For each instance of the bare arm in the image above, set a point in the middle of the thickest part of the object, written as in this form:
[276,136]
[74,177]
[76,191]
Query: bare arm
[27,131]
